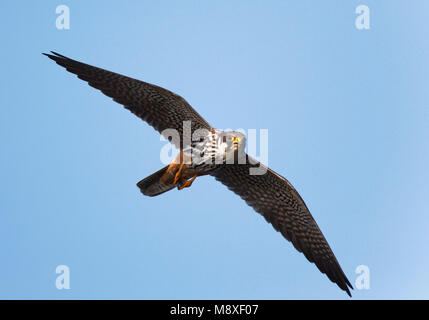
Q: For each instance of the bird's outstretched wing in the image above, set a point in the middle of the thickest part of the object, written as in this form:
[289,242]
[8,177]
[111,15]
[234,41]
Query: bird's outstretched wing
[277,200]
[160,108]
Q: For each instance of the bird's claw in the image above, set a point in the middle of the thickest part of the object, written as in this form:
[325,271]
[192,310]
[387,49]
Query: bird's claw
[186,183]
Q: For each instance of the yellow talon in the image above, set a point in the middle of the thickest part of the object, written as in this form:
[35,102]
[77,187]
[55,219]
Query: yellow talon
[178,174]
[187,183]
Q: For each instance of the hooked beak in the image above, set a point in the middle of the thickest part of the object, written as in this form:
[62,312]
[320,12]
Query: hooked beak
[235,143]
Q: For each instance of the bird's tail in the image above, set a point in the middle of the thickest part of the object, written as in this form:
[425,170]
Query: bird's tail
[157,183]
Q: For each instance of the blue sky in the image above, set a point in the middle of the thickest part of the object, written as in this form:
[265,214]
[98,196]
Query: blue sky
[347,114]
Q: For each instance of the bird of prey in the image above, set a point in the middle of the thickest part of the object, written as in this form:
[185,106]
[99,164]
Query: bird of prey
[269,193]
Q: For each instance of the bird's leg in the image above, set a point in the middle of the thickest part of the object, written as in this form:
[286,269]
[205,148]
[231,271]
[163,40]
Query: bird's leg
[178,175]
[178,161]
[186,183]
[180,172]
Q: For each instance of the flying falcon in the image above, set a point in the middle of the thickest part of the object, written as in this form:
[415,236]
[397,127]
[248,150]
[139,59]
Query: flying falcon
[216,153]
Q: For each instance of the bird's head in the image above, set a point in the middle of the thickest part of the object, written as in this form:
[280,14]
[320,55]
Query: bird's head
[233,142]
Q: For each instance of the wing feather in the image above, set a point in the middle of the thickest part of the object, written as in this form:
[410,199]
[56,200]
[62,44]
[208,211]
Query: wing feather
[160,108]
[279,203]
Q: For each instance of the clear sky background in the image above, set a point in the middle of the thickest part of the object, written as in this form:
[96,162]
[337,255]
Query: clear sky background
[348,120]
